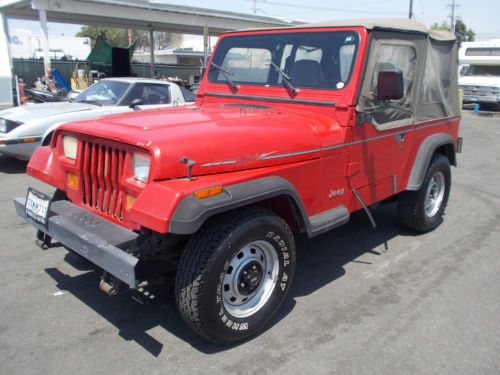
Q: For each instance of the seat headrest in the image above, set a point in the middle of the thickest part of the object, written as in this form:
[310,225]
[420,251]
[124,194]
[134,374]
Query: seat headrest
[307,73]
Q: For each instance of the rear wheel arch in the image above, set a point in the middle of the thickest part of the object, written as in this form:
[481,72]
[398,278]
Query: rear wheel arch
[448,150]
[439,143]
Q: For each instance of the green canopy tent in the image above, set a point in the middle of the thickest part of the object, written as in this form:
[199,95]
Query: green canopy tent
[118,58]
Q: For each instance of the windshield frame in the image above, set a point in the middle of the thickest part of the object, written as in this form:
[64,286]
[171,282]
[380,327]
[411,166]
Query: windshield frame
[357,54]
[106,102]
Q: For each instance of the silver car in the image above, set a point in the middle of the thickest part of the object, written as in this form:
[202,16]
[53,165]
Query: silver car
[24,128]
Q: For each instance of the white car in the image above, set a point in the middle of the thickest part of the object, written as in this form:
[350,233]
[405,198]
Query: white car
[24,128]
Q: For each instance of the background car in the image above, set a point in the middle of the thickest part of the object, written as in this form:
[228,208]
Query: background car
[24,128]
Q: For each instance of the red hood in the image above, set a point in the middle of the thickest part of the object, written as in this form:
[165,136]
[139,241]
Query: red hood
[220,138]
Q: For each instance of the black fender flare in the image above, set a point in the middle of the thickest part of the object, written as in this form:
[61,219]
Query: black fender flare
[191,212]
[424,155]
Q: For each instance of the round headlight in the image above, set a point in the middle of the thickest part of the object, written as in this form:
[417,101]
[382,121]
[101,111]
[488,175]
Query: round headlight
[141,167]
[70,146]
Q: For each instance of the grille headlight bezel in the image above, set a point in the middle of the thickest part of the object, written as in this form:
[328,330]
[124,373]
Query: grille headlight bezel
[141,165]
[70,147]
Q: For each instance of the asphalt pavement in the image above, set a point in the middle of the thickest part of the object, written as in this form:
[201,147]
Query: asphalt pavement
[363,301]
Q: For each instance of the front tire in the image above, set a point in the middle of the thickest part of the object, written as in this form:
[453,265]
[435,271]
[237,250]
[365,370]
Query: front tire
[422,210]
[234,274]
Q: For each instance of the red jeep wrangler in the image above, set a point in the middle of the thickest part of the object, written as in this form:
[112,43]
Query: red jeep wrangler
[293,129]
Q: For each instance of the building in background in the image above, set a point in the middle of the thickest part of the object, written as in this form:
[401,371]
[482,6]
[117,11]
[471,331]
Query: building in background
[27,45]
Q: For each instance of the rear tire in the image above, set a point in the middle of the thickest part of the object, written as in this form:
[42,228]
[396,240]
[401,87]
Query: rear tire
[422,210]
[234,274]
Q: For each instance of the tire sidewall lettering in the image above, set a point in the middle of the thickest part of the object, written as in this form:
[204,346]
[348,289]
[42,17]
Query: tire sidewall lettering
[282,245]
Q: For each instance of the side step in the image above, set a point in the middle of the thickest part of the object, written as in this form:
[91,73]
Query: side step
[327,220]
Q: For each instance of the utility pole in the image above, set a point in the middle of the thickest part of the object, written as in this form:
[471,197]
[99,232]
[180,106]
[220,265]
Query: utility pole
[410,15]
[254,7]
[453,5]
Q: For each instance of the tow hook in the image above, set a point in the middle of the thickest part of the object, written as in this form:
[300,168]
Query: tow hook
[110,284]
[43,240]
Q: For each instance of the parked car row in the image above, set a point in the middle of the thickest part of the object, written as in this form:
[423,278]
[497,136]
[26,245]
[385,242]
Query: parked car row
[24,128]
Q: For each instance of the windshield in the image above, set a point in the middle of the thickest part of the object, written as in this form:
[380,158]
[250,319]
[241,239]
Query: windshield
[322,60]
[483,70]
[104,93]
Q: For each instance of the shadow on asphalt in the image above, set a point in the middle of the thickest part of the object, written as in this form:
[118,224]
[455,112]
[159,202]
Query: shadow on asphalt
[12,166]
[320,261]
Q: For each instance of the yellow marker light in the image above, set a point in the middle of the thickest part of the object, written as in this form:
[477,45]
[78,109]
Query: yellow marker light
[72,180]
[31,139]
[208,192]
[130,202]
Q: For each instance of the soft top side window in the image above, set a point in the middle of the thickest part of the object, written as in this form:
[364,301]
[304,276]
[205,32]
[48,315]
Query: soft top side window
[391,54]
[396,57]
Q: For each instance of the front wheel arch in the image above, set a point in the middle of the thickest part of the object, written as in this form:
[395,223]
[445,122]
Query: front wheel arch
[47,139]
[274,193]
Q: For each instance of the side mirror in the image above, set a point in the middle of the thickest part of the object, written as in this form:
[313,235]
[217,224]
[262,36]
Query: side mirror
[390,85]
[135,104]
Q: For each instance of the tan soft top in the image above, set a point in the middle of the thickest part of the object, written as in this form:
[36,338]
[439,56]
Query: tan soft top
[398,24]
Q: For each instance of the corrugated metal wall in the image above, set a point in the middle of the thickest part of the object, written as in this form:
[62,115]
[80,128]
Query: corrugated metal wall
[30,69]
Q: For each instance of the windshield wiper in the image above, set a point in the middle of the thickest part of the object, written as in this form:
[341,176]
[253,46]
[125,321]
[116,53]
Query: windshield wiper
[285,78]
[226,74]
[95,102]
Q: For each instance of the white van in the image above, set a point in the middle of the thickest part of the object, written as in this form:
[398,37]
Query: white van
[480,78]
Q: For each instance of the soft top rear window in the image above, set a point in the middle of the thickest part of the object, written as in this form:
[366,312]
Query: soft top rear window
[320,60]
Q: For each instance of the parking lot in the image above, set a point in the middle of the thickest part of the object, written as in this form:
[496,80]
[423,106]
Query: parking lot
[368,301]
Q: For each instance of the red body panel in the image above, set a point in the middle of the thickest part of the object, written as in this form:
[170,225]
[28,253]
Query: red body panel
[316,147]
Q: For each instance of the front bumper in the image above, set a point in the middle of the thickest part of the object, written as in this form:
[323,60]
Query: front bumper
[468,98]
[91,236]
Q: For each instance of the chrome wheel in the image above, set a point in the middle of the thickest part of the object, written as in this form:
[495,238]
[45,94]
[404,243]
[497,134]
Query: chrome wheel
[435,193]
[250,279]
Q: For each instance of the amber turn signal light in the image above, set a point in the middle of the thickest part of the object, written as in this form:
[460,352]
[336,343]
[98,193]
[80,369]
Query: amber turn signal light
[72,180]
[130,202]
[31,139]
[208,192]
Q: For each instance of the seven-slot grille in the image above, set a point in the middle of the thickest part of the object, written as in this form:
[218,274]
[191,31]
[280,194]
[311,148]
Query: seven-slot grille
[101,170]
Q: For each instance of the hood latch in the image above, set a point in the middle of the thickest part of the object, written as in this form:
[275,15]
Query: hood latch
[189,165]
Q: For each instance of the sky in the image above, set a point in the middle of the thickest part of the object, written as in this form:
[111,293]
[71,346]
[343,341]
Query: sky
[480,15]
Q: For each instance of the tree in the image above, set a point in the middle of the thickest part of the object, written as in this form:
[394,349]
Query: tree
[462,33]
[119,37]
